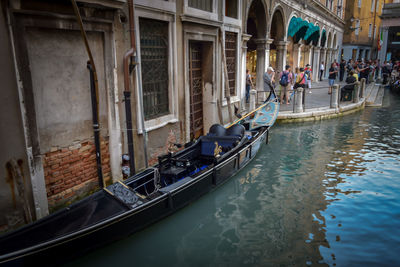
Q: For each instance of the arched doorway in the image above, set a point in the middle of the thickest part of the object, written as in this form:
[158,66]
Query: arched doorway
[290,57]
[329,53]
[322,44]
[277,56]
[334,47]
[256,27]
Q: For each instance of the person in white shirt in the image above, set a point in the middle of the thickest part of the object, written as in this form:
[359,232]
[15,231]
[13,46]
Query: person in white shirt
[321,70]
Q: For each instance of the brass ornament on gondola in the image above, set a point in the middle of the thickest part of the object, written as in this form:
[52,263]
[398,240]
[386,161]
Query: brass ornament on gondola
[217,150]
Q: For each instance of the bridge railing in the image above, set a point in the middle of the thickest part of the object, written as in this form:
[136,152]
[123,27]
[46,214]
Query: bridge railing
[298,97]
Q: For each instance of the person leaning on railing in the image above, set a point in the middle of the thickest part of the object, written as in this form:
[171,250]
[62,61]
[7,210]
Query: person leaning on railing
[269,79]
[300,80]
[347,91]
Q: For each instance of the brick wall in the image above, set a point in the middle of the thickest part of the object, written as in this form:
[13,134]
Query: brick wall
[168,146]
[71,172]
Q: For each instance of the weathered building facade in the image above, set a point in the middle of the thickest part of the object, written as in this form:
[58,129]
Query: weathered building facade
[49,81]
[389,37]
[361,33]
[181,46]
[294,33]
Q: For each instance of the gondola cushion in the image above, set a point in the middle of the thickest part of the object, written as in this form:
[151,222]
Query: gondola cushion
[209,144]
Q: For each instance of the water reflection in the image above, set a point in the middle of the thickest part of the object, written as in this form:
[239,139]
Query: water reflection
[322,193]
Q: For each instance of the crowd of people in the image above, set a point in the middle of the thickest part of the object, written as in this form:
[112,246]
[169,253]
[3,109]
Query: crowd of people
[354,71]
[370,70]
[287,80]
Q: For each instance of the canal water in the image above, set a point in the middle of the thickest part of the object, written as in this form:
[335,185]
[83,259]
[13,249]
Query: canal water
[321,193]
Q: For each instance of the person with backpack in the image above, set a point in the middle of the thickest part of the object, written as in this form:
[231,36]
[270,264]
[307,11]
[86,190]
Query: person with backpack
[285,81]
[308,73]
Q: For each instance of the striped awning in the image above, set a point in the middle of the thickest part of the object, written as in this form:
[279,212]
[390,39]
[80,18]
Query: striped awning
[296,25]
[312,34]
[301,29]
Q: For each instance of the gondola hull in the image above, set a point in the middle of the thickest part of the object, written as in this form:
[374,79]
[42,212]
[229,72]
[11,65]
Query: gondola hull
[118,220]
[126,207]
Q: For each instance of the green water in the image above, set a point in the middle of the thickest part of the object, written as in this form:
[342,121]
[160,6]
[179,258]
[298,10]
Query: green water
[323,193]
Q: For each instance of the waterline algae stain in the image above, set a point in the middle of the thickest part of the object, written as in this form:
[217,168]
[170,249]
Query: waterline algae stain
[323,193]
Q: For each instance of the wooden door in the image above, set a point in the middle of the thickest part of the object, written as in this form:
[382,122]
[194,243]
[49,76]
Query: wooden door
[196,90]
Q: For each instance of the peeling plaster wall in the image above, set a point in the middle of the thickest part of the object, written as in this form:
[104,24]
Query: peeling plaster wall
[61,85]
[55,83]
[12,142]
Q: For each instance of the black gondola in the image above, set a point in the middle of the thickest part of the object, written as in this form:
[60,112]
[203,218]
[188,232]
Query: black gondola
[126,207]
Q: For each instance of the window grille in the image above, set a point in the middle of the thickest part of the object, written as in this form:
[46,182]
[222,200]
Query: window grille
[357,27]
[230,52]
[339,8]
[205,5]
[370,30]
[154,60]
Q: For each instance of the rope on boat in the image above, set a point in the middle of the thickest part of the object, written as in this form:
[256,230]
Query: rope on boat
[157,179]
[156,182]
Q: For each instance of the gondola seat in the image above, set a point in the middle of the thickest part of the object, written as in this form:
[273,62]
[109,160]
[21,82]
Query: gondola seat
[210,144]
[221,140]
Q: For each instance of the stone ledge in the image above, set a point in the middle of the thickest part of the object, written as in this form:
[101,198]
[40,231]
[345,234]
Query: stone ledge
[349,107]
[320,113]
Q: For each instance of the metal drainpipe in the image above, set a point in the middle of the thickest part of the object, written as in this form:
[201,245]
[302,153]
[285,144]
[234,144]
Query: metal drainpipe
[128,112]
[127,92]
[96,128]
[132,52]
[94,94]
